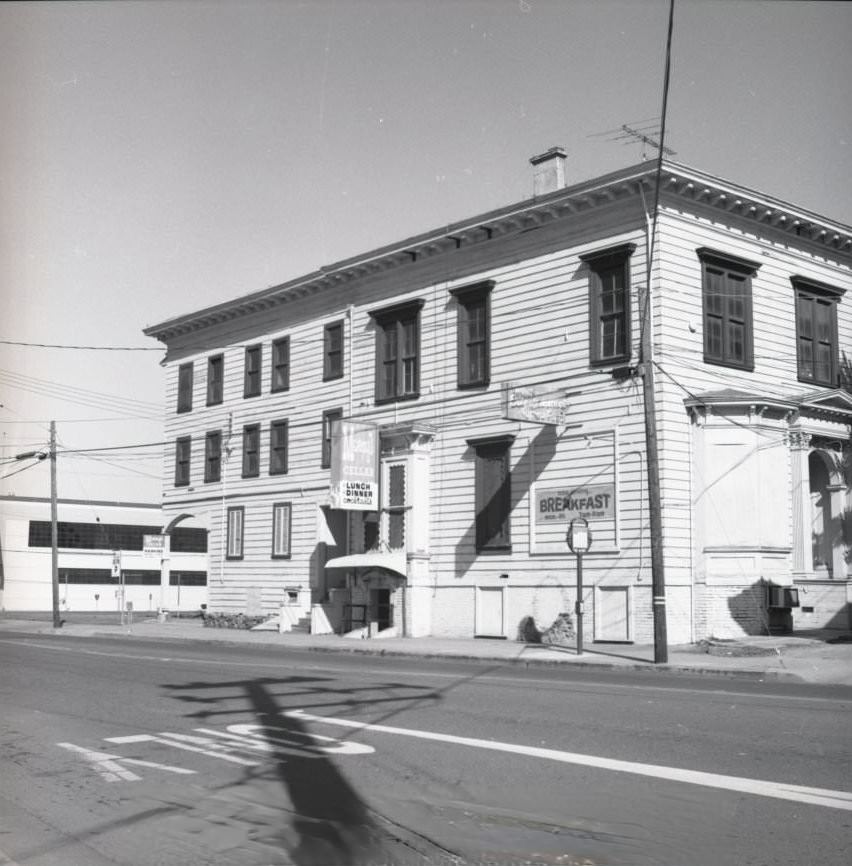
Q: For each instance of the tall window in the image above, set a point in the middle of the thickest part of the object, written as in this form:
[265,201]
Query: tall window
[184,401]
[251,450]
[328,418]
[398,352]
[215,379]
[236,517]
[609,304]
[726,286]
[281,519]
[493,492]
[182,456]
[213,456]
[251,384]
[474,334]
[396,506]
[333,351]
[281,364]
[816,331]
[278,432]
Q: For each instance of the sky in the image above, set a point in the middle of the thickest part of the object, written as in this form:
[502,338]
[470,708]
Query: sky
[160,157]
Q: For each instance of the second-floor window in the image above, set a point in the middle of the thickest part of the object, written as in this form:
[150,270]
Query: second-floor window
[278,433]
[251,384]
[281,364]
[609,304]
[213,456]
[398,352]
[328,419]
[251,450]
[726,292]
[183,447]
[333,351]
[184,401]
[474,334]
[215,379]
[816,331]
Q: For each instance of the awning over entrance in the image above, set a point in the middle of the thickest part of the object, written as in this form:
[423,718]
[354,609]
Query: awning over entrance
[389,561]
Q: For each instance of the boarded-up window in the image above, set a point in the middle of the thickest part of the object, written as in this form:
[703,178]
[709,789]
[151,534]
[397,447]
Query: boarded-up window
[278,434]
[726,291]
[251,450]
[213,456]
[493,495]
[182,459]
[281,518]
[251,385]
[281,364]
[396,507]
[215,379]
[236,516]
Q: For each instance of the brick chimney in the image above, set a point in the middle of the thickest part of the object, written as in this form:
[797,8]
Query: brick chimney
[548,171]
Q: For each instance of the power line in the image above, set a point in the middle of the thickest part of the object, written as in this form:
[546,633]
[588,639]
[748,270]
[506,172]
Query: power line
[89,348]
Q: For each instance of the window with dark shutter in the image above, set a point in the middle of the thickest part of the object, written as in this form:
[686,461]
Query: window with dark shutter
[278,433]
[215,379]
[609,304]
[816,331]
[184,402]
[281,364]
[398,352]
[328,418]
[493,495]
[213,456]
[182,459]
[251,450]
[726,290]
[333,351]
[251,384]
[474,334]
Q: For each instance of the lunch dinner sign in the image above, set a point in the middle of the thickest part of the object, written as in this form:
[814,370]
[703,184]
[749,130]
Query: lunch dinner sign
[561,505]
[354,466]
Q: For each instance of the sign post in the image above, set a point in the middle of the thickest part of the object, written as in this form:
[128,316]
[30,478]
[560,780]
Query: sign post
[579,540]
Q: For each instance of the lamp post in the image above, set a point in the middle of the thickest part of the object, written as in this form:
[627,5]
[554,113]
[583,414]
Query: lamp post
[54,522]
[579,540]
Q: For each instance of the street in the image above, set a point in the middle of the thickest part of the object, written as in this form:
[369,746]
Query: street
[156,752]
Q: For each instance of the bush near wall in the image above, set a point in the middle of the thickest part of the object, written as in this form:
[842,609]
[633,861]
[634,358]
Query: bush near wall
[232,620]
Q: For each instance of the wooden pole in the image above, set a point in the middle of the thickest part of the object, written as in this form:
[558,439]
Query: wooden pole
[54,529]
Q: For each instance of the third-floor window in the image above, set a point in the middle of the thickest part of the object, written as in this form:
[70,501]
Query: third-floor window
[251,386]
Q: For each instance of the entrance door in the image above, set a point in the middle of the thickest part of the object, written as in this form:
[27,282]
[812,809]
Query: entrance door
[381,611]
[489,611]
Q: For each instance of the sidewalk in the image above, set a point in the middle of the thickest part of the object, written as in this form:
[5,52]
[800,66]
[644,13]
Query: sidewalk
[806,658]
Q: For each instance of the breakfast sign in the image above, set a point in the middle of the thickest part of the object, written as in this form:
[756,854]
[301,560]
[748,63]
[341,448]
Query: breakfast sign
[561,505]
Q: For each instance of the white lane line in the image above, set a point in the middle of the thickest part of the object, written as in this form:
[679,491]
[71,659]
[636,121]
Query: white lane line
[202,745]
[105,765]
[155,766]
[779,790]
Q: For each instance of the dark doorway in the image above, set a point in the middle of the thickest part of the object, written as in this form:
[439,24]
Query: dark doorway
[381,611]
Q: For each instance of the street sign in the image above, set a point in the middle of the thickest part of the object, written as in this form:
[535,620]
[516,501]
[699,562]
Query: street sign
[116,563]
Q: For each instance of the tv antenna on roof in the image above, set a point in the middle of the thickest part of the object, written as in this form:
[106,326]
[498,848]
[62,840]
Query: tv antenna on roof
[637,132]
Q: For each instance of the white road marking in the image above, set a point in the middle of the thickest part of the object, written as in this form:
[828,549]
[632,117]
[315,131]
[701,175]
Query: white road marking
[105,765]
[182,771]
[779,790]
[272,739]
[202,745]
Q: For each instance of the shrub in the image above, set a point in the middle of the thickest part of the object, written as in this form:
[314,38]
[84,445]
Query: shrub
[561,631]
[232,620]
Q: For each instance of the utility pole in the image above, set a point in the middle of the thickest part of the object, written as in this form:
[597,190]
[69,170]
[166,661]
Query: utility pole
[54,529]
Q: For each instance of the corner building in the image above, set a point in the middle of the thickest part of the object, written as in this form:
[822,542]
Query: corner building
[458,343]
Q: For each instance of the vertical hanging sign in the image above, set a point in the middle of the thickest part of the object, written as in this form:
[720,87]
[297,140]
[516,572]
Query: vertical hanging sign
[354,466]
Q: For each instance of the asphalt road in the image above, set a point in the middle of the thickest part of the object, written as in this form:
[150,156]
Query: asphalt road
[143,753]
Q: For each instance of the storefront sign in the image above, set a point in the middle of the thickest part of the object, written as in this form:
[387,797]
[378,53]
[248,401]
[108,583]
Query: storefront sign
[534,404]
[595,502]
[354,466]
[152,546]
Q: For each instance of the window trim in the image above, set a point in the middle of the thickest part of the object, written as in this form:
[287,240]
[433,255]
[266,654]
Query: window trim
[397,315]
[252,352]
[328,416]
[179,443]
[804,287]
[209,437]
[184,395]
[288,507]
[212,362]
[746,269]
[248,429]
[233,510]
[273,425]
[465,297]
[281,342]
[482,544]
[598,262]
[328,374]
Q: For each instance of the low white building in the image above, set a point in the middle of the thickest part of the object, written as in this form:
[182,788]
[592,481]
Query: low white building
[103,564]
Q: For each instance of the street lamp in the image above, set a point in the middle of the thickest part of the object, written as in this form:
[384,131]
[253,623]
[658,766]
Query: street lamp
[54,523]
